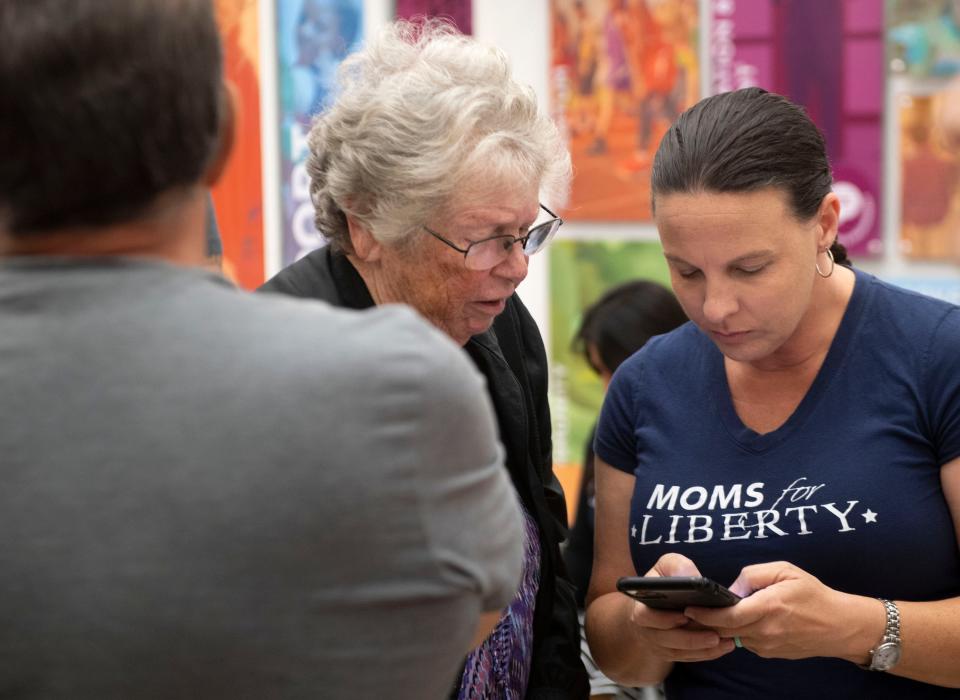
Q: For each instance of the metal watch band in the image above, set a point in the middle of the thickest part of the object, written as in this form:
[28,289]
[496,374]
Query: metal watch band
[892,631]
[889,646]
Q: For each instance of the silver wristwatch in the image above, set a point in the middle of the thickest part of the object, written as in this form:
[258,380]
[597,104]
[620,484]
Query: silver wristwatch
[887,653]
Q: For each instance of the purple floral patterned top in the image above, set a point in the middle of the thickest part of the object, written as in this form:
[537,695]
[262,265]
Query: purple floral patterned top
[499,669]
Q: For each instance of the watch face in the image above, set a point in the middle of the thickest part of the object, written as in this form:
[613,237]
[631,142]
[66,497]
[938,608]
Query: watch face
[885,657]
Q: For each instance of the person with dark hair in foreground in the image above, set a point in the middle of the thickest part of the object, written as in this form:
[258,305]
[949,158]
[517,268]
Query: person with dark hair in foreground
[799,441]
[613,328]
[192,506]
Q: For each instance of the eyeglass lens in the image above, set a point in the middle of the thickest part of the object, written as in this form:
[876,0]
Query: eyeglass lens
[490,253]
[540,236]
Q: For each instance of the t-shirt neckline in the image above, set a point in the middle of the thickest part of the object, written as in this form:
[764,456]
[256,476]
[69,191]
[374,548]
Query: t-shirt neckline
[754,442]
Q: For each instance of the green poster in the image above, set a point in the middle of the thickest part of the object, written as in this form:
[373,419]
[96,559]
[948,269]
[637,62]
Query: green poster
[580,272]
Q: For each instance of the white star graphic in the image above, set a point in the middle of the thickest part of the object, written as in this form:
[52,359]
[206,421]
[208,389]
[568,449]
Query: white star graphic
[633,532]
[869,516]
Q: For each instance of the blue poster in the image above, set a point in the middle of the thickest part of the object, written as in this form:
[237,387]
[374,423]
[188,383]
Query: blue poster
[313,37]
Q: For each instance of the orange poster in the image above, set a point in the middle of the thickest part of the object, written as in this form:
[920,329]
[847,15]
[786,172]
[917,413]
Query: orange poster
[621,71]
[238,196]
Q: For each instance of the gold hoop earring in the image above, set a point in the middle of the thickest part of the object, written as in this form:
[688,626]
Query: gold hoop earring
[833,264]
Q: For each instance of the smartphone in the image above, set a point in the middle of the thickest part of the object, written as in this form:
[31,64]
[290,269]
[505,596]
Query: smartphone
[676,592]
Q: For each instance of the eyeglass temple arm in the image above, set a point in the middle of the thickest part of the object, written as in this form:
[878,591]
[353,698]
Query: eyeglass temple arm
[543,206]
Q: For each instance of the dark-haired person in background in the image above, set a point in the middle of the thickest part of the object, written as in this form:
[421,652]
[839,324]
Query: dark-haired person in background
[799,441]
[185,509]
[613,328]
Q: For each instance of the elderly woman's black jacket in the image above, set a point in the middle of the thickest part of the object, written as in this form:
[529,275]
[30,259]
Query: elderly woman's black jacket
[512,358]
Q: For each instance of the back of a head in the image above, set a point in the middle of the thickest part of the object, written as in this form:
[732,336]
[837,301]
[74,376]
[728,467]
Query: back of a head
[421,110]
[743,141]
[104,105]
[624,319]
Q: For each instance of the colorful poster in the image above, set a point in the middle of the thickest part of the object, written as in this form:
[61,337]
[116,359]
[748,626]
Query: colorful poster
[620,73]
[580,273]
[313,38]
[924,37]
[834,69]
[924,49]
[238,196]
[460,12]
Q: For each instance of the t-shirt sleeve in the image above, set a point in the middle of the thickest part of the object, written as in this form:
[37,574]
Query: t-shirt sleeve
[470,508]
[943,382]
[616,442]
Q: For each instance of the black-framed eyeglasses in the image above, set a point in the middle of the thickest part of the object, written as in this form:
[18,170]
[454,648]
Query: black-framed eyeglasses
[490,252]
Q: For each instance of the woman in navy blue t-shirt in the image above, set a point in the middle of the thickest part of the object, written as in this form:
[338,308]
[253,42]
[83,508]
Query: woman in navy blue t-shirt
[799,441]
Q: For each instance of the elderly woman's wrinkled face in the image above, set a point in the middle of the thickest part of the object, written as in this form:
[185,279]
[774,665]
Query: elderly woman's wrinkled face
[431,277]
[742,266]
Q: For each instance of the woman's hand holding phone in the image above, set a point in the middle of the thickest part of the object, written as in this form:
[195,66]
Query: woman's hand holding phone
[670,634]
[791,614]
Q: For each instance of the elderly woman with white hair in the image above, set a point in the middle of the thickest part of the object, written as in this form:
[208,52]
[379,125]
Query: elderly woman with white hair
[433,175]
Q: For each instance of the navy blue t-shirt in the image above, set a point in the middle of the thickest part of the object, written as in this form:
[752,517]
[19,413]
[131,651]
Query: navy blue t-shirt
[847,489]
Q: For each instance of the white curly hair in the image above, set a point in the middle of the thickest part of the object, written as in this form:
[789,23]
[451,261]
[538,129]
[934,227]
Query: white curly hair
[421,111]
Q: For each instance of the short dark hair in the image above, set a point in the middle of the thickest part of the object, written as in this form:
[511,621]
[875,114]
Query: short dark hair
[104,105]
[624,319]
[743,141]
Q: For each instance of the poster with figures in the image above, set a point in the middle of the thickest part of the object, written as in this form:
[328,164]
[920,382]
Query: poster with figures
[580,273]
[620,72]
[834,69]
[313,37]
[460,12]
[238,195]
[924,68]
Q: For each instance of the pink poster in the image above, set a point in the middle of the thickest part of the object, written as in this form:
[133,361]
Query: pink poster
[459,11]
[834,68]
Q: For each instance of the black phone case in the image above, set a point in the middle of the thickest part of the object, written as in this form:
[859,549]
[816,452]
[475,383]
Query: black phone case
[677,592]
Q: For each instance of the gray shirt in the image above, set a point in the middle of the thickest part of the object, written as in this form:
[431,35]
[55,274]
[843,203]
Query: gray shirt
[209,494]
